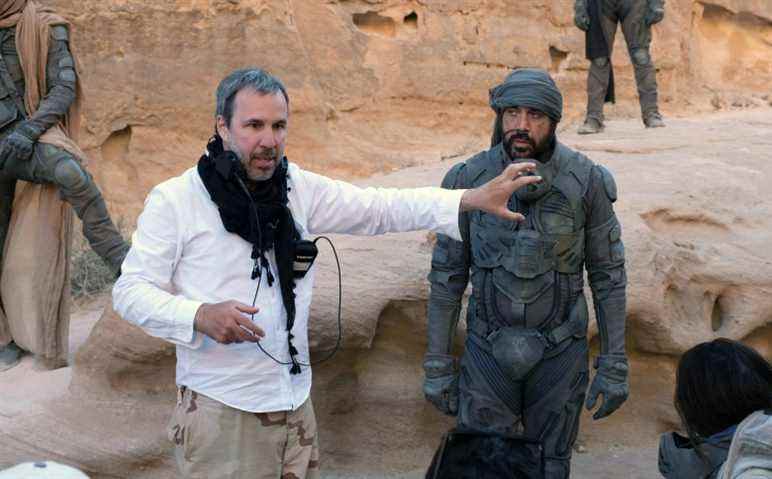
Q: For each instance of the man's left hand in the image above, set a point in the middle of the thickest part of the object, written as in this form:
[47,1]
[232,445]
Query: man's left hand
[493,196]
[654,15]
[15,147]
[611,381]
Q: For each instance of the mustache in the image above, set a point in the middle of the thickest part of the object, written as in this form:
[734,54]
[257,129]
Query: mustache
[521,135]
[268,153]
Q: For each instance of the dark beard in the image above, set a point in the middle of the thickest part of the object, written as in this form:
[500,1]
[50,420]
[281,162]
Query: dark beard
[534,151]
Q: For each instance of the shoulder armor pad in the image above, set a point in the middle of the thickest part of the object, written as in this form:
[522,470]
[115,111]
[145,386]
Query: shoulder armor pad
[608,183]
[453,178]
[574,169]
[59,32]
[481,168]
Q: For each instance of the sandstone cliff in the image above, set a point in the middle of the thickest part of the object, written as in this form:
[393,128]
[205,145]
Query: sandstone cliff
[382,85]
[374,84]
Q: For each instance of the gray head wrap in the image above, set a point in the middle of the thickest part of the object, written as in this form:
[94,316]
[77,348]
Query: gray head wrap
[528,87]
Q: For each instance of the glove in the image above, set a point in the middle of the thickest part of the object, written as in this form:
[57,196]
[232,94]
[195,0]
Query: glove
[16,146]
[611,381]
[581,17]
[582,21]
[441,382]
[654,14]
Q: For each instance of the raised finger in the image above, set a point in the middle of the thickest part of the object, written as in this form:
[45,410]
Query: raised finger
[254,331]
[245,308]
[243,334]
[511,215]
[524,181]
[518,169]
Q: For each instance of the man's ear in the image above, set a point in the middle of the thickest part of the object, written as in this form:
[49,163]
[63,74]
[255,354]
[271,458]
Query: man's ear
[222,128]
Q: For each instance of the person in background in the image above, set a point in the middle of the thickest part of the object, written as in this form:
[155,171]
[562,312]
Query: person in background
[718,385]
[599,19]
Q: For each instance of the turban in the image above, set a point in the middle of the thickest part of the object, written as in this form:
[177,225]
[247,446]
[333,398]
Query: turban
[526,87]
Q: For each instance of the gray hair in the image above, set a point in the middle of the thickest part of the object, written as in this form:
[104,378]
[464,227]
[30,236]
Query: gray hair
[254,78]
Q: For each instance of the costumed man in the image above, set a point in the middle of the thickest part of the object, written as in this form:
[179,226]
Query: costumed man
[598,19]
[212,268]
[39,119]
[524,370]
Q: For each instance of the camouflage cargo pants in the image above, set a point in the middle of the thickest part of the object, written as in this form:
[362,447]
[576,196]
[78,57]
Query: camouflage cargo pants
[214,440]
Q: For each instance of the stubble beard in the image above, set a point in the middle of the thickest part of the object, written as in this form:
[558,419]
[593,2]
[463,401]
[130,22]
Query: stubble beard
[255,173]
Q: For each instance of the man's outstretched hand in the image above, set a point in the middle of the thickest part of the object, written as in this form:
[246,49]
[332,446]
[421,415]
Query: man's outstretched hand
[226,322]
[493,196]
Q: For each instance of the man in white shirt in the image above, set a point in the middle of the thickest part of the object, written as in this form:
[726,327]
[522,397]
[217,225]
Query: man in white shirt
[211,270]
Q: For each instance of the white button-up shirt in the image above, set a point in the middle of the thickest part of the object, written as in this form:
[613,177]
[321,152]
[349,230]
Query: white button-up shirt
[181,256]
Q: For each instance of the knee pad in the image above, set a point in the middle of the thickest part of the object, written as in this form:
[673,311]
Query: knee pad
[640,56]
[69,175]
[600,62]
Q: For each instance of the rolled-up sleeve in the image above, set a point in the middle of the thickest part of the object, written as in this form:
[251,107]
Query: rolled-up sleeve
[144,295]
[338,207]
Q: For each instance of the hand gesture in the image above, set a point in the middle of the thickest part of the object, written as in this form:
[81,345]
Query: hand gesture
[227,322]
[493,196]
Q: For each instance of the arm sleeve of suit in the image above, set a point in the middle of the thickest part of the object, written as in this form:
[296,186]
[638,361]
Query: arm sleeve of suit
[605,255]
[449,276]
[61,83]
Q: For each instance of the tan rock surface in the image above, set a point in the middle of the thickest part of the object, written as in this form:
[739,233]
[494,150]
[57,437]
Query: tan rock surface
[695,212]
[372,83]
[378,85]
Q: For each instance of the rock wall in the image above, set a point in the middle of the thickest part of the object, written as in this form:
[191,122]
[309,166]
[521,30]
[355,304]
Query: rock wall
[376,84]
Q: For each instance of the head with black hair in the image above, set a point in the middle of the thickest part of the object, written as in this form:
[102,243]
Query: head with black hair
[251,116]
[718,384]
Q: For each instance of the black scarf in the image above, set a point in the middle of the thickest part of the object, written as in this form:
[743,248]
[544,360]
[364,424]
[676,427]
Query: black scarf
[238,199]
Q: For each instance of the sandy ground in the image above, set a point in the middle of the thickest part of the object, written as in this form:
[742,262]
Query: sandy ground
[624,446]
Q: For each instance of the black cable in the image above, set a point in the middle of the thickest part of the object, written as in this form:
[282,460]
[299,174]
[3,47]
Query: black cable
[260,279]
[340,303]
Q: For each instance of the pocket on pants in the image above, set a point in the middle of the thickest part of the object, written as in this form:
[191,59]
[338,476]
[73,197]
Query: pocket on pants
[194,426]
[174,428]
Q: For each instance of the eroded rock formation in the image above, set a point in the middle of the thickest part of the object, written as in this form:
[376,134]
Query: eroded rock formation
[378,85]
[373,83]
